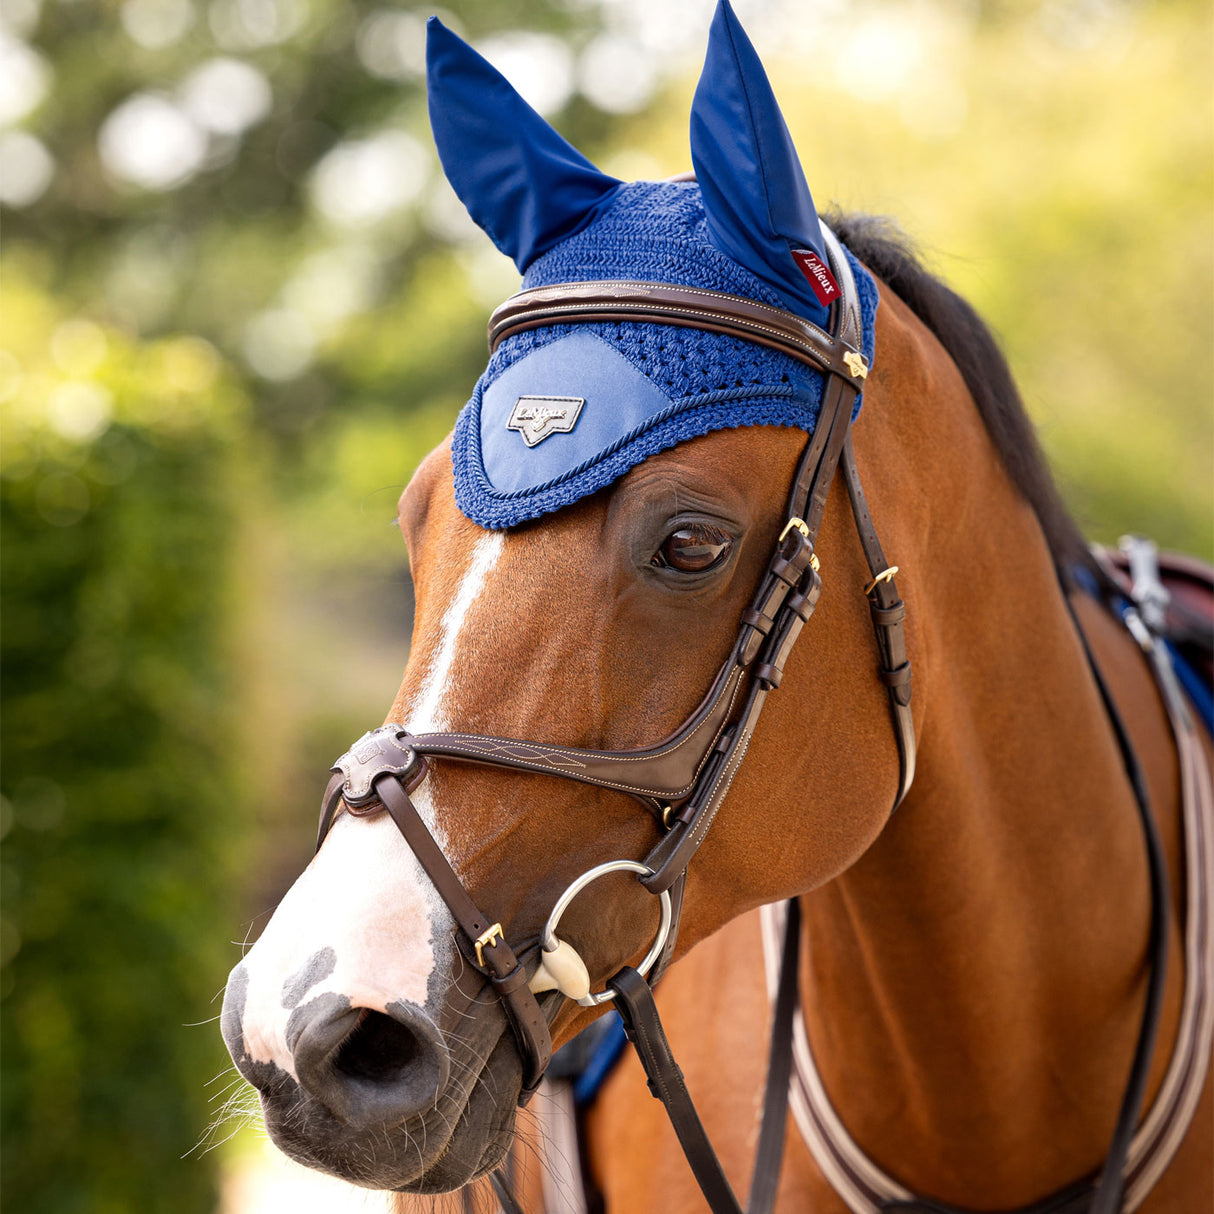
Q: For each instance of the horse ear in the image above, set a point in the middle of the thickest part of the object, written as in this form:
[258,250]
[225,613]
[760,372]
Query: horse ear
[758,205]
[521,182]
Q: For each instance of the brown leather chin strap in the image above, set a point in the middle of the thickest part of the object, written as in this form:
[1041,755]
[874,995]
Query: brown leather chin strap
[684,779]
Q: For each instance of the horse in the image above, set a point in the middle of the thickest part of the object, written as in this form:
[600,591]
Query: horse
[952,908]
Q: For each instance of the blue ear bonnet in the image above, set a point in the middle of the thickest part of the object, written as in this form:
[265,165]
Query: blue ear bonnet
[564,410]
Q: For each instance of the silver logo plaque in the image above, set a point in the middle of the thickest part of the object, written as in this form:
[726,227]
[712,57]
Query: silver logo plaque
[537,417]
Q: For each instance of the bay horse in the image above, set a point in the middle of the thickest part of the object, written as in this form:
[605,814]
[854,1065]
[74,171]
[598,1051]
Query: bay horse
[981,973]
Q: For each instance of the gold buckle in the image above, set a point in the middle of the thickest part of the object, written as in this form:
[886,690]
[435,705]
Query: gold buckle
[487,939]
[856,364]
[799,524]
[668,816]
[884,576]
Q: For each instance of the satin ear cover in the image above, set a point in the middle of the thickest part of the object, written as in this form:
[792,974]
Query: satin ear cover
[756,198]
[524,185]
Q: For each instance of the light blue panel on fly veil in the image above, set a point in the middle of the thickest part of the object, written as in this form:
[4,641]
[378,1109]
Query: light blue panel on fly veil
[580,383]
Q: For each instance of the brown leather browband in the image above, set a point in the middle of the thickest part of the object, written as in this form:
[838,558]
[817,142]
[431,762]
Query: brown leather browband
[684,779]
[687,307]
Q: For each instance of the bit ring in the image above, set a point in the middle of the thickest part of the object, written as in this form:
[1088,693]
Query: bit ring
[549,941]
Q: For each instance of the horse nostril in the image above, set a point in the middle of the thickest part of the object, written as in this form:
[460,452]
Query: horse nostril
[379,1049]
[368,1068]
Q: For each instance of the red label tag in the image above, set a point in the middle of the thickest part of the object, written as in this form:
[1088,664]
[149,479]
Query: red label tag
[819,277]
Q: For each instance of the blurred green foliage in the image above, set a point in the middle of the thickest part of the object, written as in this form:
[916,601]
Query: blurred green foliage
[214,386]
[120,794]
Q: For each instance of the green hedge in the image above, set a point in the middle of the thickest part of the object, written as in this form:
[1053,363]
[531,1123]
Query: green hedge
[119,525]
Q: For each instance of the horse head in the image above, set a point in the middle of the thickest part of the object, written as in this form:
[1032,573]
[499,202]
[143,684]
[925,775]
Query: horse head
[583,549]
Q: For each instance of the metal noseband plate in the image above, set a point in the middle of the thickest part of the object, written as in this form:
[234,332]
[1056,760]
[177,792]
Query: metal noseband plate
[378,752]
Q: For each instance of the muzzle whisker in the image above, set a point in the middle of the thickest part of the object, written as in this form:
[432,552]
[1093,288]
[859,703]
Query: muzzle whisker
[238,1106]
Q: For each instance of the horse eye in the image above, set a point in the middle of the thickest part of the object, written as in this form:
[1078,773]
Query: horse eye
[693,549]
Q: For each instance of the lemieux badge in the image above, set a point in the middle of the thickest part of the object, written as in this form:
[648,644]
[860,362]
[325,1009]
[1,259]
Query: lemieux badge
[538,417]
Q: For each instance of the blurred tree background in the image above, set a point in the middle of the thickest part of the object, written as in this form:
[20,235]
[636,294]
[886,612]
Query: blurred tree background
[240,303]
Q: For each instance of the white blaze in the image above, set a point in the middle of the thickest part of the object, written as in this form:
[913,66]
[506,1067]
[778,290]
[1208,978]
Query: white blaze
[429,713]
[365,895]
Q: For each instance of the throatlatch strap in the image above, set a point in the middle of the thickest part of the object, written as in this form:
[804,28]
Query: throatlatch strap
[888,613]
[634,1001]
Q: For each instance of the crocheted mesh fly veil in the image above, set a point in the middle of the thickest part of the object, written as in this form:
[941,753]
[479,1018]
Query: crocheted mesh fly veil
[564,410]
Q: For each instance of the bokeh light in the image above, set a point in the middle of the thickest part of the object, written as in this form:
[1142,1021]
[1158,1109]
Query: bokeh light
[252,24]
[80,410]
[149,141]
[391,44]
[362,181]
[226,96]
[155,24]
[540,66]
[25,78]
[279,344]
[26,168]
[20,17]
[617,74]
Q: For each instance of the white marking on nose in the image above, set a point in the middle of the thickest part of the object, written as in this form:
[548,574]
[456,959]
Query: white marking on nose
[365,895]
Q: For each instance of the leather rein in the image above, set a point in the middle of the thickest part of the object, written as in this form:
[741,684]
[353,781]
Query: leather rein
[684,779]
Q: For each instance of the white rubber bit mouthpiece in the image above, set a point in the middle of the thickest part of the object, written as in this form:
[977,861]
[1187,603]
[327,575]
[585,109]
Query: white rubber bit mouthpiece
[561,969]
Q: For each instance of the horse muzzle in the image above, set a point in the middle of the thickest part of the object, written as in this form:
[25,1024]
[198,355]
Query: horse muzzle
[369,1095]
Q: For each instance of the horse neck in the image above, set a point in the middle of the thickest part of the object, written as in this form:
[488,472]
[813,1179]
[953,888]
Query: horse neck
[974,981]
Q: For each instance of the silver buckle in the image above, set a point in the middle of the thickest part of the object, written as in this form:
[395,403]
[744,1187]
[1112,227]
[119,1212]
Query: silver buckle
[378,752]
[1147,588]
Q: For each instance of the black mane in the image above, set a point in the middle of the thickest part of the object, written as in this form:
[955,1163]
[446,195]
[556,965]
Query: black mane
[886,251]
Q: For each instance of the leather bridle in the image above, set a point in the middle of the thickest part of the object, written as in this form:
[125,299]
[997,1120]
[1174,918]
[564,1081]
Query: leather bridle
[684,779]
